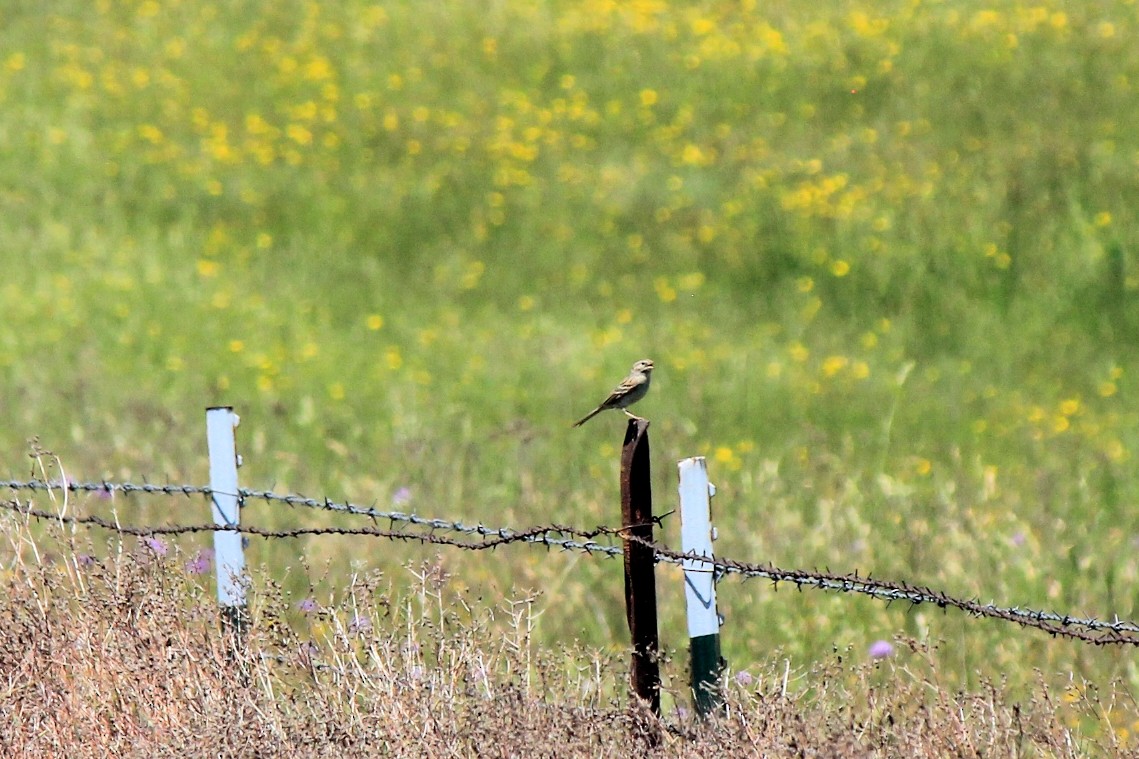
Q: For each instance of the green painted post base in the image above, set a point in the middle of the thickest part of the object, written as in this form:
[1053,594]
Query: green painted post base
[235,622]
[706,668]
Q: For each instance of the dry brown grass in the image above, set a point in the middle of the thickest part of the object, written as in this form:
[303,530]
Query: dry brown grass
[123,656]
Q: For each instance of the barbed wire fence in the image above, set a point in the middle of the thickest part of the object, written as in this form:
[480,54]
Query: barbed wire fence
[480,537]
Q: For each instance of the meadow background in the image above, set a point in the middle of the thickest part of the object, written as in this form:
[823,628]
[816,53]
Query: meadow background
[882,255]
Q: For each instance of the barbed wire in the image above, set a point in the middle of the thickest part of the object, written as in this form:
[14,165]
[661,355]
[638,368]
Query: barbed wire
[1086,629]
[1097,631]
[538,535]
[105,487]
[551,536]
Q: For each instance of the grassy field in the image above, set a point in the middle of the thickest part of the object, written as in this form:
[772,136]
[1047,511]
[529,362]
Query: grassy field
[122,656]
[882,256]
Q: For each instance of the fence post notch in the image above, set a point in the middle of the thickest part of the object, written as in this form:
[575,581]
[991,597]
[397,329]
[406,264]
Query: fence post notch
[229,550]
[696,536]
[640,564]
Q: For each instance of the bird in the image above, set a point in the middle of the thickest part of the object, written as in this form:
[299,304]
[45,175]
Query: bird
[629,391]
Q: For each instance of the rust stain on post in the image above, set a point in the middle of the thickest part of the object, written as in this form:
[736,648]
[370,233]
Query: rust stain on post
[640,564]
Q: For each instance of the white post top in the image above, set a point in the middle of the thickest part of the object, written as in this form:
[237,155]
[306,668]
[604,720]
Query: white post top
[696,535]
[229,552]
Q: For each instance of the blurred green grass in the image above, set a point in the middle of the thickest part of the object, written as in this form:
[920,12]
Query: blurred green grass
[882,259]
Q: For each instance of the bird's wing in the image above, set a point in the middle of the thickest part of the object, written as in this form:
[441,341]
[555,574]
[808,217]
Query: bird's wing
[627,385]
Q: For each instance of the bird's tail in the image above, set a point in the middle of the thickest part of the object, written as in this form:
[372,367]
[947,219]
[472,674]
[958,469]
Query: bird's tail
[589,416]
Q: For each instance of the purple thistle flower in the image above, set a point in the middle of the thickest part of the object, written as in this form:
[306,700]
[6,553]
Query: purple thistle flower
[306,605]
[360,625]
[86,560]
[1018,539]
[200,564]
[743,678]
[401,496]
[880,649]
[156,545]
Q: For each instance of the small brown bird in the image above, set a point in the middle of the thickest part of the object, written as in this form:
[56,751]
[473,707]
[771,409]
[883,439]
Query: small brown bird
[631,390]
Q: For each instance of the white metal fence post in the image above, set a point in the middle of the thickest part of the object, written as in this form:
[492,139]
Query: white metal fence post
[229,552]
[696,536]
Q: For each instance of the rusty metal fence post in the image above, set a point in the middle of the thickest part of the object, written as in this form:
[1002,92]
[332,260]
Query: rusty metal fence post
[640,564]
